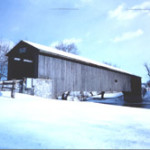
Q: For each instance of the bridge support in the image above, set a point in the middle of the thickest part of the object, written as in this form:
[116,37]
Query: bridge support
[132,97]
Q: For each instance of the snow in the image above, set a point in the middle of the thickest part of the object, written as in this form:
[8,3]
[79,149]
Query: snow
[109,95]
[113,101]
[51,50]
[116,98]
[146,97]
[30,122]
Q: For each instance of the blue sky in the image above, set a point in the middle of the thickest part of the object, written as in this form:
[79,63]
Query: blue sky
[103,30]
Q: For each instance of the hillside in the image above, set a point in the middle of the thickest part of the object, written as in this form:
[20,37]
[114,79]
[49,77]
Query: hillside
[37,123]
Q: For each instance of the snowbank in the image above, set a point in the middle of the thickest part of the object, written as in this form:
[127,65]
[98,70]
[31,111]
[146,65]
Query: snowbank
[109,98]
[109,95]
[29,122]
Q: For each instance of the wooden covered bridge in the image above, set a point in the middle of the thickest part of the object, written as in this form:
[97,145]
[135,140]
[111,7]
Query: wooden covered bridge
[68,72]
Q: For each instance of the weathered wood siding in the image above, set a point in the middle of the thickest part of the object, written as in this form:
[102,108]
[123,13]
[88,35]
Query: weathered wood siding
[68,75]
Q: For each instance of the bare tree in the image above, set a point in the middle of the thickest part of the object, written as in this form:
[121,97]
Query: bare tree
[147,69]
[70,48]
[4,48]
[110,64]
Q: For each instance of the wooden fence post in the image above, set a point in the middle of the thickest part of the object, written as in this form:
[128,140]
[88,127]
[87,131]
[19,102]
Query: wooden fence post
[2,85]
[13,90]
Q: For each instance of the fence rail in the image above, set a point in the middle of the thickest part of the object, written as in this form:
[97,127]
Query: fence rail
[11,85]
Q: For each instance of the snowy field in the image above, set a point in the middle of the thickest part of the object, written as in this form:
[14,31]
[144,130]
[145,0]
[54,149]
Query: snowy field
[36,123]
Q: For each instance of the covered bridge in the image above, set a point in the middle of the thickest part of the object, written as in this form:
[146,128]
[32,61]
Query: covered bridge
[68,72]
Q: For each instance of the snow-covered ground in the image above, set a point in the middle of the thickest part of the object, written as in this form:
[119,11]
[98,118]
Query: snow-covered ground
[109,98]
[109,95]
[36,123]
